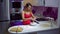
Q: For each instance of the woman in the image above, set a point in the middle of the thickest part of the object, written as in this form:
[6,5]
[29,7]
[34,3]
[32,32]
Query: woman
[27,15]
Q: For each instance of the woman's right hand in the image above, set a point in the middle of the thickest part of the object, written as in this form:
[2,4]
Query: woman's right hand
[33,19]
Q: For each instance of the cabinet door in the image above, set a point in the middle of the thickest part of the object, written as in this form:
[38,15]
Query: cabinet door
[51,3]
[40,2]
[33,2]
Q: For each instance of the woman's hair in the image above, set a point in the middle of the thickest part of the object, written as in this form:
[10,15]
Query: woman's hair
[27,5]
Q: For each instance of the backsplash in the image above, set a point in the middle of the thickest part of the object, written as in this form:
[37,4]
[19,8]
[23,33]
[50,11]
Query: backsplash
[46,11]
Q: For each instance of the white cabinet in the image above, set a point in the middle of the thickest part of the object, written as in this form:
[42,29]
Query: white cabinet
[34,2]
[51,3]
[40,3]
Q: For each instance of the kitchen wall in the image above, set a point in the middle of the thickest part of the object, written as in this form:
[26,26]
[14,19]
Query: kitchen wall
[39,7]
[49,3]
[34,2]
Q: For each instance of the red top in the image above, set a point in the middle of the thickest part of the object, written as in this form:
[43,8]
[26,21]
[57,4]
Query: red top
[27,22]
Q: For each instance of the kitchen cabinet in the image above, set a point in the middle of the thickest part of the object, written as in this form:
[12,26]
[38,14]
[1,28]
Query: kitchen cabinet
[34,2]
[51,3]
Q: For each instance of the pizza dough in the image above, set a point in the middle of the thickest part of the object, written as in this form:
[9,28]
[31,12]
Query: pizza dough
[16,29]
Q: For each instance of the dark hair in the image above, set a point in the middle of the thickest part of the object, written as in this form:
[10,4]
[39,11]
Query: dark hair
[27,5]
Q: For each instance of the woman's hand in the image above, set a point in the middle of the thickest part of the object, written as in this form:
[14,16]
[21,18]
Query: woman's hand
[33,19]
[37,17]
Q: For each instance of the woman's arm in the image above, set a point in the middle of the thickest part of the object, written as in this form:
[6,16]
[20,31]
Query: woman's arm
[33,16]
[23,15]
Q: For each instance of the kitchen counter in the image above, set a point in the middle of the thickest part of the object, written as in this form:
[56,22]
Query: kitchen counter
[36,28]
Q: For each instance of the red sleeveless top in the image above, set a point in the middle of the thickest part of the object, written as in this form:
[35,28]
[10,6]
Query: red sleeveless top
[27,22]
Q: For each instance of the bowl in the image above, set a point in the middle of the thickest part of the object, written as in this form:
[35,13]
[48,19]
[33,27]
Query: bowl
[33,24]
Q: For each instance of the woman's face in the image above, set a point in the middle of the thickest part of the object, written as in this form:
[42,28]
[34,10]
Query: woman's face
[29,8]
